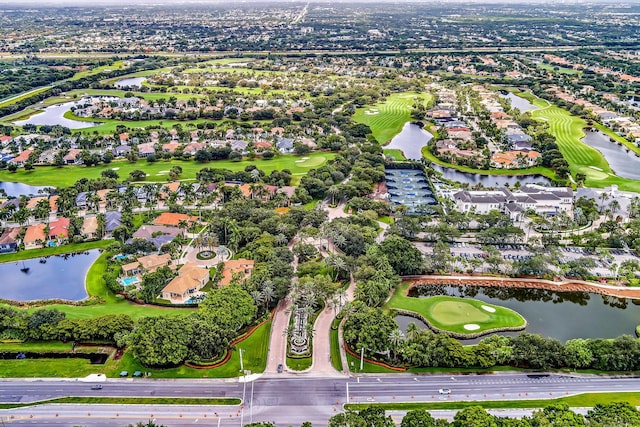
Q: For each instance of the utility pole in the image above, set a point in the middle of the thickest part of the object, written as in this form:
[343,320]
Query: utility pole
[241,363]
[361,359]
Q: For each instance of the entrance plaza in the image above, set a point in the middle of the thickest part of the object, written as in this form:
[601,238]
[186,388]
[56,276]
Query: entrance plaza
[410,187]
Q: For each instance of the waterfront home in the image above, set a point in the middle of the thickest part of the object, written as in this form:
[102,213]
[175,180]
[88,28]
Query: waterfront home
[236,268]
[9,240]
[148,264]
[159,235]
[35,236]
[59,230]
[90,228]
[186,284]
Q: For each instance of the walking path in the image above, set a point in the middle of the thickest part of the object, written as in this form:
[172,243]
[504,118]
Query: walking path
[278,342]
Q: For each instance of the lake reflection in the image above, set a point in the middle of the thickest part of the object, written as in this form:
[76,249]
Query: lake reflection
[519,103]
[54,115]
[622,160]
[131,82]
[410,141]
[560,315]
[488,180]
[62,276]
[16,189]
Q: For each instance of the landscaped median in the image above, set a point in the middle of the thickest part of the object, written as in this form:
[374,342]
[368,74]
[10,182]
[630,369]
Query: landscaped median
[585,400]
[129,401]
[462,318]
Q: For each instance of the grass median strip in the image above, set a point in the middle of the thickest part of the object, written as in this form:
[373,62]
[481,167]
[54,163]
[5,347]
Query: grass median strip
[578,400]
[129,401]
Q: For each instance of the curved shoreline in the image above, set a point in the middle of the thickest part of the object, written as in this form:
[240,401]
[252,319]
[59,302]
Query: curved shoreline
[561,286]
[458,335]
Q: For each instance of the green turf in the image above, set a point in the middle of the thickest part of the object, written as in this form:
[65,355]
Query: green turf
[56,250]
[336,360]
[387,118]
[117,65]
[395,154]
[568,131]
[369,368]
[585,400]
[17,98]
[255,359]
[215,401]
[68,175]
[453,313]
[296,364]
[561,70]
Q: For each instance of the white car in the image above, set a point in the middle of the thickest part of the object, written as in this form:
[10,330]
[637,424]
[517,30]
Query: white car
[444,391]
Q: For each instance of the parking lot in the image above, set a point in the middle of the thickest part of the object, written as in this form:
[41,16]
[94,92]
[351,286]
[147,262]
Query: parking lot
[517,252]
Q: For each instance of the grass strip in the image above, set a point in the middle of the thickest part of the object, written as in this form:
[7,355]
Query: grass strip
[578,400]
[56,250]
[336,360]
[129,401]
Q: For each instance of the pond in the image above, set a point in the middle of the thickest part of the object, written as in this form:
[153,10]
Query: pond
[130,82]
[411,140]
[61,276]
[622,160]
[560,315]
[519,103]
[54,115]
[488,180]
[16,189]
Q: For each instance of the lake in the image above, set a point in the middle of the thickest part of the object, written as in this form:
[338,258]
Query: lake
[411,140]
[16,189]
[488,180]
[54,115]
[130,82]
[62,276]
[622,160]
[559,315]
[519,103]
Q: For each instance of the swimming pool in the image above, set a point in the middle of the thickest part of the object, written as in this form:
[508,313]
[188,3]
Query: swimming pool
[128,281]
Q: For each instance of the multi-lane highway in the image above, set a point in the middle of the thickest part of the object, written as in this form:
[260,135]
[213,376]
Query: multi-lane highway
[284,399]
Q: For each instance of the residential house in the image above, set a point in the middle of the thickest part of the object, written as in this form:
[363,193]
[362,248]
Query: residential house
[156,234]
[5,139]
[53,204]
[285,145]
[112,221]
[236,268]
[173,219]
[514,159]
[59,230]
[81,199]
[148,264]
[145,150]
[72,157]
[187,284]
[193,147]
[35,236]
[9,240]
[90,228]
[170,147]
[121,150]
[21,158]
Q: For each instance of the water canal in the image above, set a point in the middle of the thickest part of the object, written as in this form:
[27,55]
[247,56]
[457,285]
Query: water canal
[411,140]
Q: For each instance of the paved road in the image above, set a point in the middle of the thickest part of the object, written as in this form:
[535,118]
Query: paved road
[282,398]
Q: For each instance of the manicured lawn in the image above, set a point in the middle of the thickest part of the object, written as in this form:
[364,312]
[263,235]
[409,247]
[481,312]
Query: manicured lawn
[130,401]
[454,314]
[336,360]
[36,346]
[56,250]
[255,359]
[387,118]
[582,158]
[299,364]
[369,368]
[395,154]
[17,98]
[585,400]
[117,65]
[68,175]
[561,70]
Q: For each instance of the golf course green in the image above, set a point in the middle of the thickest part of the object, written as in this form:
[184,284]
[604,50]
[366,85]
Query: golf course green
[158,171]
[460,317]
[387,118]
[568,130]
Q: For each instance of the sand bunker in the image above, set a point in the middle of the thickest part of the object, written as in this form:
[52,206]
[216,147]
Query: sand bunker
[489,309]
[471,327]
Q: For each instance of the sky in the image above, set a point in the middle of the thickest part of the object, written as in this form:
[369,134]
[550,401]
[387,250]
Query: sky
[89,3]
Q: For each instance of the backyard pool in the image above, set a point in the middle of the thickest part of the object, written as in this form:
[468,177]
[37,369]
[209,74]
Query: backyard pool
[128,281]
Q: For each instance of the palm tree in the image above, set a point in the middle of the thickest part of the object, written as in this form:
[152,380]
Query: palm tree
[396,339]
[268,294]
[412,331]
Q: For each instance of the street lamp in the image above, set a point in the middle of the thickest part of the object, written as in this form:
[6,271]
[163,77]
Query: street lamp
[241,364]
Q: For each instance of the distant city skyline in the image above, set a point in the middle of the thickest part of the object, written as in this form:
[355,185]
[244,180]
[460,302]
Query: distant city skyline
[63,3]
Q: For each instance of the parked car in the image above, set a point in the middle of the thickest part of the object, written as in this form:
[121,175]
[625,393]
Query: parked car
[137,374]
[124,374]
[280,368]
